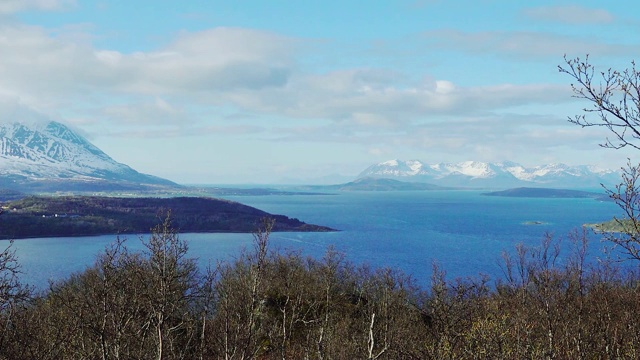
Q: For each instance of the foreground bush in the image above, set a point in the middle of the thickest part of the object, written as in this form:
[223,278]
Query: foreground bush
[157,304]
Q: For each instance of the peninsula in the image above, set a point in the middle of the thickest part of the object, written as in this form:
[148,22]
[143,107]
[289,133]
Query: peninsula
[44,216]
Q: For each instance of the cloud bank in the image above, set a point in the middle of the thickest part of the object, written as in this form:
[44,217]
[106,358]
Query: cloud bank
[570,14]
[266,86]
[14,6]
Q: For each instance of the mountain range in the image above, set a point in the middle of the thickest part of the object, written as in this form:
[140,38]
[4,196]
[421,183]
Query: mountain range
[49,156]
[506,174]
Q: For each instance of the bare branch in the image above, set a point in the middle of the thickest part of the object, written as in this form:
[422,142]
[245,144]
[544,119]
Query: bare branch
[615,100]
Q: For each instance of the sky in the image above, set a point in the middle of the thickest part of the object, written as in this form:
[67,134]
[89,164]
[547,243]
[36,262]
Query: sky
[258,92]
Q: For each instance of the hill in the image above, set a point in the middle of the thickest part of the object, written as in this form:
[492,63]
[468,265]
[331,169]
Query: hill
[369,184]
[547,193]
[6,195]
[381,184]
[40,216]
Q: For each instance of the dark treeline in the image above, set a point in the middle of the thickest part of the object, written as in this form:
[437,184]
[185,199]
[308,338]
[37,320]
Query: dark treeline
[157,304]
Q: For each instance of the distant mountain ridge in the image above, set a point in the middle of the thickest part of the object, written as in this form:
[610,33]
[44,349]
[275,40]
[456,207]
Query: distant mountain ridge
[372,184]
[492,175]
[549,193]
[51,156]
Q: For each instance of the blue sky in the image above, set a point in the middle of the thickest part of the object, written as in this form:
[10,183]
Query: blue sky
[295,91]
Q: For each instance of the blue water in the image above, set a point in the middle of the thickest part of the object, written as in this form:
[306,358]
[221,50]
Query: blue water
[463,231]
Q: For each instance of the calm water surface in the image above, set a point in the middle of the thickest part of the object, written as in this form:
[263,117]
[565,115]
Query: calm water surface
[464,231]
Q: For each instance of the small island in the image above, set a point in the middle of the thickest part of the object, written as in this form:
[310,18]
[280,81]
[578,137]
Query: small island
[46,216]
[535,222]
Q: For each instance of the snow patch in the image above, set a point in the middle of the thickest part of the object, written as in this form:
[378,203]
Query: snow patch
[507,172]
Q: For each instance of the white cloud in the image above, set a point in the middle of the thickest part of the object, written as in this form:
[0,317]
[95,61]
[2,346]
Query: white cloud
[12,110]
[223,59]
[525,45]
[339,97]
[171,91]
[371,120]
[249,70]
[157,112]
[570,14]
[13,6]
[445,87]
[34,63]
[376,151]
[492,137]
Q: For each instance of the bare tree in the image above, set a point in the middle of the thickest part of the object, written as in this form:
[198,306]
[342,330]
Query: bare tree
[239,291]
[171,277]
[615,100]
[614,96]
[10,287]
[11,290]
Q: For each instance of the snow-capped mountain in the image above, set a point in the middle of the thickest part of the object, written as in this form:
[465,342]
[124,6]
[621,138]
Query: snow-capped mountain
[503,174]
[51,155]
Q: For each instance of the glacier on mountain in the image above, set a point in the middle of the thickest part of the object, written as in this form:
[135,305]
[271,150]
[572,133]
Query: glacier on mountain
[499,174]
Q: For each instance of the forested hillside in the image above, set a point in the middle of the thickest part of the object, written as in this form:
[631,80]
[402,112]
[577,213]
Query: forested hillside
[43,216]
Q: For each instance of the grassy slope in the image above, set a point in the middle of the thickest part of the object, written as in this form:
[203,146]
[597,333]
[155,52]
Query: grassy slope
[615,226]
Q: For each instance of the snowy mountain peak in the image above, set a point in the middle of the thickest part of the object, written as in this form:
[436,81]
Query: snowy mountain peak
[475,169]
[51,151]
[501,174]
[398,168]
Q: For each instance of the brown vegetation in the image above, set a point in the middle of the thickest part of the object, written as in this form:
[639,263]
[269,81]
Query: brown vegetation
[265,305]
